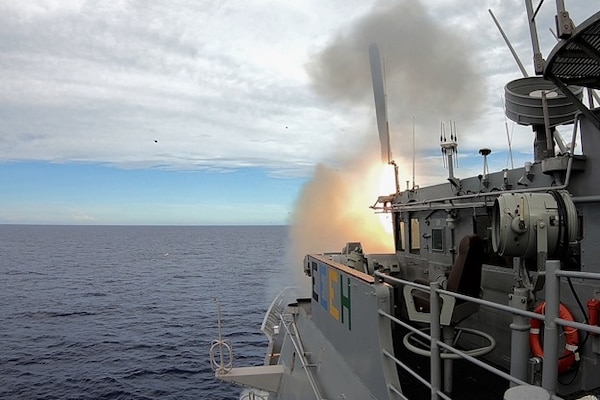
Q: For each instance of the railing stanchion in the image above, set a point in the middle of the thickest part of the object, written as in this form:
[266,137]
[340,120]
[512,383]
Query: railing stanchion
[515,307]
[436,373]
[519,349]
[552,298]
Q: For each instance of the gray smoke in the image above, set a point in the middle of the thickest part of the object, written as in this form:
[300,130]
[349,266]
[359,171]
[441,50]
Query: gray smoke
[429,74]
[429,70]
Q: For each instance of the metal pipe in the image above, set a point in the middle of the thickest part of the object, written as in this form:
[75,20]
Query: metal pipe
[444,206]
[436,366]
[221,355]
[451,349]
[485,303]
[405,325]
[448,336]
[552,297]
[574,135]
[586,199]
[578,325]
[413,373]
[549,139]
[300,352]
[592,95]
[397,391]
[538,61]
[578,274]
[510,47]
[490,304]
[565,90]
[483,365]
[519,350]
[450,164]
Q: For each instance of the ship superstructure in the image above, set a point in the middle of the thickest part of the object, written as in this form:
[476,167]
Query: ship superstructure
[493,290]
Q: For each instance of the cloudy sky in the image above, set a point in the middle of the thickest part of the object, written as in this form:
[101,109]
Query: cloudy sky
[223,112]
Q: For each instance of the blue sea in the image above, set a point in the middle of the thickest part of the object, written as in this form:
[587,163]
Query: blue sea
[118,312]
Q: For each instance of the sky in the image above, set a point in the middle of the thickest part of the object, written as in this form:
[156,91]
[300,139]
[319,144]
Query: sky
[202,112]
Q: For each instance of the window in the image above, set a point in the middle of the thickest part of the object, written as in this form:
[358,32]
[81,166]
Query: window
[399,232]
[415,236]
[437,239]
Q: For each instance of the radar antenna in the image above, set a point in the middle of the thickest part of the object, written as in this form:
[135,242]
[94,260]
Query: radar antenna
[450,152]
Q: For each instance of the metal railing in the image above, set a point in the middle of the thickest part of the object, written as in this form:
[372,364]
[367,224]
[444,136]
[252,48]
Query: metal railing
[551,334]
[287,320]
[276,308]
[222,361]
[252,395]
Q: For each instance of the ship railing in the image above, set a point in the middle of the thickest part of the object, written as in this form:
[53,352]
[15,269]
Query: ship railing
[520,333]
[221,350]
[270,323]
[252,395]
[288,322]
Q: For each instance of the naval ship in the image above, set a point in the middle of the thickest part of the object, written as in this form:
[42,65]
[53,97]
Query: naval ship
[493,290]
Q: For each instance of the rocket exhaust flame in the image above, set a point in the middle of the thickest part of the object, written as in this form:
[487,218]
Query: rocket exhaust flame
[333,209]
[388,179]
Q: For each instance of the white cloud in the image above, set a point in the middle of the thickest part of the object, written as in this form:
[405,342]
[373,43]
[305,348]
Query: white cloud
[211,84]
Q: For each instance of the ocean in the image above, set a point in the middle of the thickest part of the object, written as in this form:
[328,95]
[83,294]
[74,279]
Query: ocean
[129,312]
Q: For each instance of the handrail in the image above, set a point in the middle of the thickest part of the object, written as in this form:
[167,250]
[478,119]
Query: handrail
[485,303]
[400,363]
[552,294]
[251,395]
[414,374]
[578,274]
[438,342]
[275,309]
[301,354]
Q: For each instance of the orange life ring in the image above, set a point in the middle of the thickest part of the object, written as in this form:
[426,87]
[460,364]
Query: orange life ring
[571,336]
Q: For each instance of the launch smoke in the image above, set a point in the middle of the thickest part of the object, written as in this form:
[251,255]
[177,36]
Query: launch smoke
[429,74]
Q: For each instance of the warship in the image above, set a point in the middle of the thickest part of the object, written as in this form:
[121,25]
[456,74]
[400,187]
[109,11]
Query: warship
[492,291]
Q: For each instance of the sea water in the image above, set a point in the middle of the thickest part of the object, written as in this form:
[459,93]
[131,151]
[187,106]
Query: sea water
[117,312]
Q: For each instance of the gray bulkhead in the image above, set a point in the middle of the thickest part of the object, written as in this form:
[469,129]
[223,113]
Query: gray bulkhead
[343,338]
[431,229]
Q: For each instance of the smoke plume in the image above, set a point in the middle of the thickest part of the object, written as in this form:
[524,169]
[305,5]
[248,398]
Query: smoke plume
[429,74]
[429,70]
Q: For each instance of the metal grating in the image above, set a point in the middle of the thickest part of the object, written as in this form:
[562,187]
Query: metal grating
[576,60]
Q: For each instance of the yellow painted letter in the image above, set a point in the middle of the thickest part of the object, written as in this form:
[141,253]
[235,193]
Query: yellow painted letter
[333,277]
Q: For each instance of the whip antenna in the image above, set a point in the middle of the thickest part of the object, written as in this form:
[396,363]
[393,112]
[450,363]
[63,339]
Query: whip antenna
[413,151]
